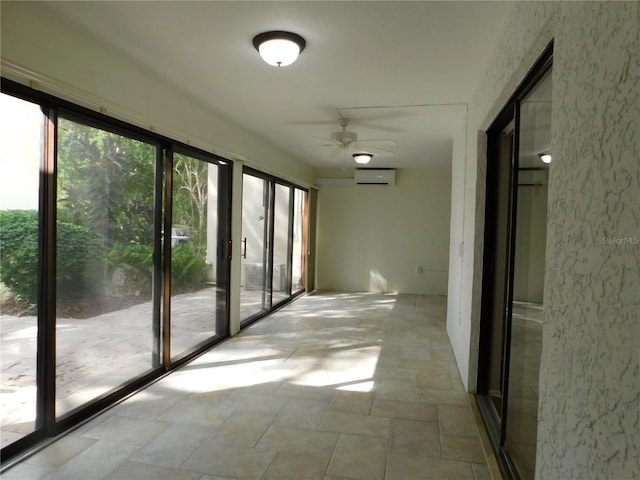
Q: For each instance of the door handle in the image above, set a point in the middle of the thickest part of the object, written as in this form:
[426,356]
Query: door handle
[244,248]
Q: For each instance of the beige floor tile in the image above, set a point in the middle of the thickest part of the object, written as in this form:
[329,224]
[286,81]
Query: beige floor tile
[352,402]
[96,462]
[296,466]
[405,467]
[234,461]
[244,428]
[308,442]
[435,378]
[413,437]
[241,401]
[127,430]
[355,424]
[302,413]
[267,403]
[441,397]
[143,471]
[395,372]
[195,412]
[25,471]
[455,420]
[407,410]
[149,403]
[414,363]
[173,446]
[388,388]
[416,352]
[443,355]
[60,452]
[359,457]
[480,472]
[464,448]
[293,390]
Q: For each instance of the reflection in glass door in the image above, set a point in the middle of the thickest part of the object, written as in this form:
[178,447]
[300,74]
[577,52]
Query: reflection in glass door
[255,295]
[299,246]
[282,238]
[273,244]
[105,325]
[21,156]
[519,159]
[528,277]
[198,262]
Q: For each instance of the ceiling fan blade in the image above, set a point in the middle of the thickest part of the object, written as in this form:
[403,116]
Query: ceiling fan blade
[312,122]
[364,115]
[377,151]
[326,139]
[378,142]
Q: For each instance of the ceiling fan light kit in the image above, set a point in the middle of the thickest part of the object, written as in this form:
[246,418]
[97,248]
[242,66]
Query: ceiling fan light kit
[545,157]
[279,48]
[362,158]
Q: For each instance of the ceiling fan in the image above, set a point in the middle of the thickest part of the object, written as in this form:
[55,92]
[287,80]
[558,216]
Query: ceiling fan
[344,140]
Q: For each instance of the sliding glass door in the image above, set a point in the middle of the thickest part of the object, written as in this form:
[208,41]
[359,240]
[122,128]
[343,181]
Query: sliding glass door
[299,247]
[114,261]
[282,242]
[22,126]
[105,328]
[197,254]
[528,263]
[255,293]
[273,243]
[519,159]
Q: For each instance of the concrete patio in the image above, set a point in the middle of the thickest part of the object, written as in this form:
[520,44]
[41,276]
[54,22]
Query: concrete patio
[96,355]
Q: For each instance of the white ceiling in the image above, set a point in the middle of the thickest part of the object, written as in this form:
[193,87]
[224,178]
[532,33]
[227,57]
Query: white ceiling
[401,70]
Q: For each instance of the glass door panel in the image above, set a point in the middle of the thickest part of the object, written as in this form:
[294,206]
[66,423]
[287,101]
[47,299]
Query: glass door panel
[21,156]
[105,327]
[298,263]
[255,295]
[518,162]
[282,240]
[195,264]
[528,278]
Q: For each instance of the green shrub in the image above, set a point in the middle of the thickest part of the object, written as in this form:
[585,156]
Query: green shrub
[131,257]
[188,269]
[19,252]
[80,260]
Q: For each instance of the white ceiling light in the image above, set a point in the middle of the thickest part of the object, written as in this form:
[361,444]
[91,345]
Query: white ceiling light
[279,48]
[545,157]
[362,158]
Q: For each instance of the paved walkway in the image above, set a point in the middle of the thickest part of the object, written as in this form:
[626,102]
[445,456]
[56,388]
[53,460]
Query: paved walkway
[96,355]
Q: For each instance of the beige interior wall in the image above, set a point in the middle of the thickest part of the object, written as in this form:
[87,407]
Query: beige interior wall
[391,238]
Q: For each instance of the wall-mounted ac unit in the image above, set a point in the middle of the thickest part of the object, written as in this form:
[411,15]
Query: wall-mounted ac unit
[370,176]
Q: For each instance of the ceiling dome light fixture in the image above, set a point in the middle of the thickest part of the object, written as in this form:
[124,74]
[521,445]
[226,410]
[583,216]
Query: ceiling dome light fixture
[545,157]
[362,158]
[279,48]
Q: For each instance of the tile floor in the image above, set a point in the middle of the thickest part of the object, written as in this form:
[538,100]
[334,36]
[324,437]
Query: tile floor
[333,386]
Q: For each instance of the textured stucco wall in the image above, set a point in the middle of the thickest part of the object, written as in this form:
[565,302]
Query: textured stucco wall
[590,376]
[528,29]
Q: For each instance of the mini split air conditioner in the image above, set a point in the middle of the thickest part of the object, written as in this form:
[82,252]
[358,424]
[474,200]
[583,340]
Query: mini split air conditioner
[370,176]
